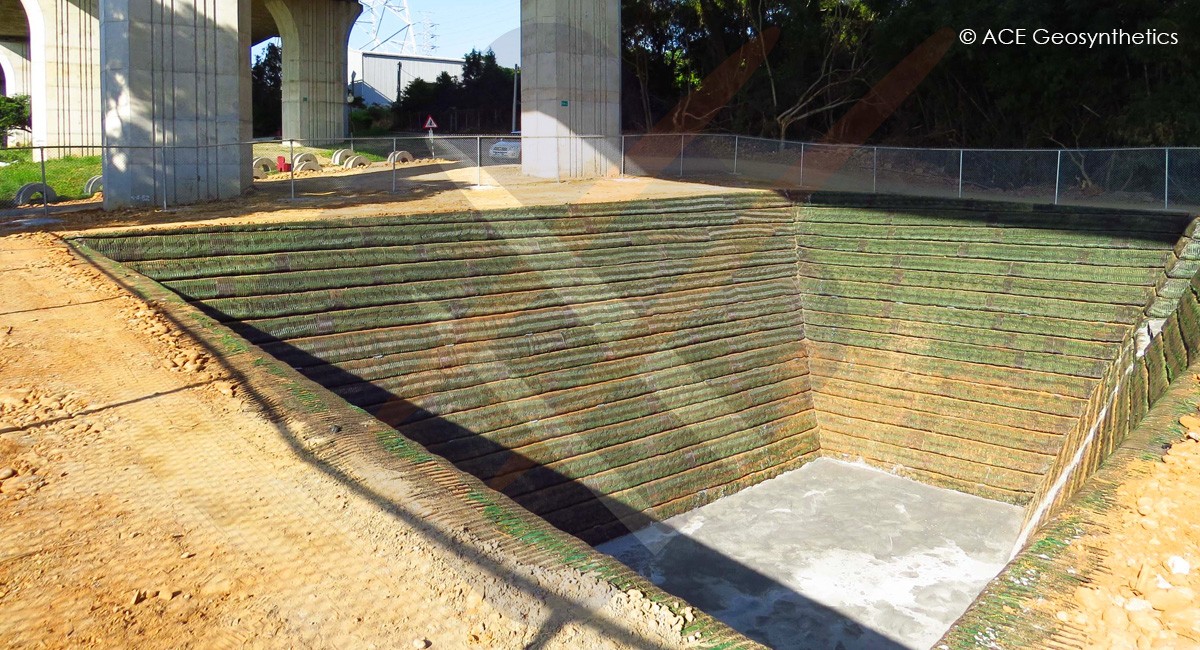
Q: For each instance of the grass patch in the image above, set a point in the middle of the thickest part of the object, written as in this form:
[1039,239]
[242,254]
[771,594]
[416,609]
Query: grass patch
[66,175]
[324,155]
[16,155]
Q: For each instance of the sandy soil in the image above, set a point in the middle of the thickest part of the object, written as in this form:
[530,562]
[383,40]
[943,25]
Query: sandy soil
[147,503]
[152,505]
[1145,593]
[420,187]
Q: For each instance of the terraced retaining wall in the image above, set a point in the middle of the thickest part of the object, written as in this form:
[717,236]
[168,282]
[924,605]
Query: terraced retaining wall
[608,364]
[964,345]
[598,367]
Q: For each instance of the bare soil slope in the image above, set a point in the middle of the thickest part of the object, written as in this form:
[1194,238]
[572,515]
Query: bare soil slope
[152,506]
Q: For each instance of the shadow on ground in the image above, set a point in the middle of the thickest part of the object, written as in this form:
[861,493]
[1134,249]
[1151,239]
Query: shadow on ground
[810,624]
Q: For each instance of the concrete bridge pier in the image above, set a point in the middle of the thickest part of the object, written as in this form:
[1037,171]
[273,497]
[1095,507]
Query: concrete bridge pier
[570,86]
[64,72]
[176,88]
[14,66]
[314,34]
[14,79]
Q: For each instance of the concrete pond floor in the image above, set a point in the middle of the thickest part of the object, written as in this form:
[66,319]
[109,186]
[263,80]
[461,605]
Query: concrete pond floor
[832,555]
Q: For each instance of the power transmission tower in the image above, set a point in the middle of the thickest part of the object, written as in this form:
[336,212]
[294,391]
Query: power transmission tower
[387,26]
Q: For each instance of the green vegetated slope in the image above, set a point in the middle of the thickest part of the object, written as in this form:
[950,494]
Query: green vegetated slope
[599,365]
[960,345]
[605,365]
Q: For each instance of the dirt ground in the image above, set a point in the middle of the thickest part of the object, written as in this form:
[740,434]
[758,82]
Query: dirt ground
[1144,594]
[367,192]
[146,503]
[151,505]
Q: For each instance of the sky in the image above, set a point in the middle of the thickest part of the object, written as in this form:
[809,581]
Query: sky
[459,26]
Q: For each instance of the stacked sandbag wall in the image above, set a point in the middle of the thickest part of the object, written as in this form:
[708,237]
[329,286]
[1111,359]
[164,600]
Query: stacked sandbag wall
[602,366]
[963,344]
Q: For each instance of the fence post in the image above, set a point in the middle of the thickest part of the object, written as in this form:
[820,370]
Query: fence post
[393,157]
[623,154]
[960,171]
[45,201]
[1057,175]
[478,161]
[681,146]
[735,152]
[163,158]
[292,165]
[875,171]
[1166,179]
[801,164]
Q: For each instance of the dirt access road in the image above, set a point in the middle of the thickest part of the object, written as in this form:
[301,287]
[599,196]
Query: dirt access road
[153,506]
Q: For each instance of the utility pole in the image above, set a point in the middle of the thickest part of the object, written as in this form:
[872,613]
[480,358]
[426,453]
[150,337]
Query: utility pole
[516,88]
[399,81]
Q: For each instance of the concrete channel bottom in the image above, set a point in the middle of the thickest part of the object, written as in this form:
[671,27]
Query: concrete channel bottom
[832,555]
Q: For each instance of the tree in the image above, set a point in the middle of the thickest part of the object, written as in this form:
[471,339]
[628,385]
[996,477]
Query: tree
[830,52]
[14,114]
[430,97]
[267,91]
[830,64]
[648,33]
[812,72]
[487,81]
[484,92]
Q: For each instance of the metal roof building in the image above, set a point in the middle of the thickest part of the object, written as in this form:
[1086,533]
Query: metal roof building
[379,77]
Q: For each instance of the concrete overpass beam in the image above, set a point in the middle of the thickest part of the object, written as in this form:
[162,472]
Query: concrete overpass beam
[64,65]
[15,70]
[570,86]
[314,34]
[176,88]
[14,61]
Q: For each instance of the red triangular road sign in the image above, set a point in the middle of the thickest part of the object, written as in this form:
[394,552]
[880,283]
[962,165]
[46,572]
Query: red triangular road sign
[430,124]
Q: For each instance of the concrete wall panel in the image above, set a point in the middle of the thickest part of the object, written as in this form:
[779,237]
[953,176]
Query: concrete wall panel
[64,56]
[176,74]
[14,60]
[570,86]
[314,36]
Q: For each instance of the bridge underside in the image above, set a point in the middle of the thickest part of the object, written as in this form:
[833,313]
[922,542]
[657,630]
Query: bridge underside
[163,87]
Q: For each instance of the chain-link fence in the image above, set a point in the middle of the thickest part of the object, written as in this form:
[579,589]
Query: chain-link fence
[1153,179]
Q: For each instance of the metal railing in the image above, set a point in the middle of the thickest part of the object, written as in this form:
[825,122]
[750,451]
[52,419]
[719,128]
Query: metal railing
[1148,178]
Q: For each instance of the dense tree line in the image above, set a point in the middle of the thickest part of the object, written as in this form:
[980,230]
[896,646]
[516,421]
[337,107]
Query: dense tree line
[829,53]
[821,57]
[480,100]
[266,83]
